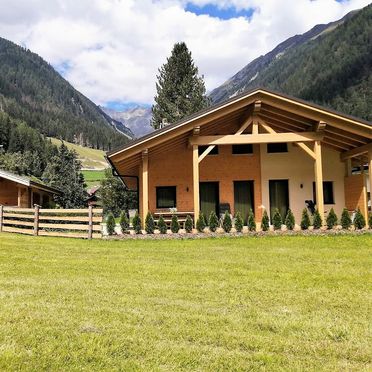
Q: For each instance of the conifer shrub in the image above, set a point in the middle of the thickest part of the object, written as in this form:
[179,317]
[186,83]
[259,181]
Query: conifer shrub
[175,225]
[359,220]
[124,222]
[137,223]
[251,221]
[239,223]
[188,224]
[370,220]
[162,226]
[200,223]
[265,222]
[345,219]
[277,220]
[149,223]
[290,220]
[227,222]
[213,221]
[110,224]
[305,219]
[331,219]
[317,220]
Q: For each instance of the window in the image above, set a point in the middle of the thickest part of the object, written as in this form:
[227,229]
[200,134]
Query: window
[166,197]
[277,147]
[327,192]
[242,149]
[213,152]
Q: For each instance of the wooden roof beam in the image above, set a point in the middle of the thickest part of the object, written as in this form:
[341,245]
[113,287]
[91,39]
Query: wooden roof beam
[356,152]
[320,126]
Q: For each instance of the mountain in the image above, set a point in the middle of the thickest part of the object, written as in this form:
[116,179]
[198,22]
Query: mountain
[330,65]
[32,91]
[137,119]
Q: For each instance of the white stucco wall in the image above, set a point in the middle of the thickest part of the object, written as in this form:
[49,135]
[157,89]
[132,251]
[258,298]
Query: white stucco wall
[298,168]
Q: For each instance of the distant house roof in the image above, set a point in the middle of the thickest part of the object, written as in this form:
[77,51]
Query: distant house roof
[27,181]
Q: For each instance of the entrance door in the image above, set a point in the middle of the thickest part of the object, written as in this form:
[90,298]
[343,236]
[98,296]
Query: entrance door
[279,197]
[243,198]
[209,198]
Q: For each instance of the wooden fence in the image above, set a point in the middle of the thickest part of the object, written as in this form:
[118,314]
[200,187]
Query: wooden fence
[71,223]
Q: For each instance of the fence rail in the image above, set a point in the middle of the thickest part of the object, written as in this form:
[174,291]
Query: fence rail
[72,223]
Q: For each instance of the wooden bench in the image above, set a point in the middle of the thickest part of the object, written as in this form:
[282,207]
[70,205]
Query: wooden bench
[167,215]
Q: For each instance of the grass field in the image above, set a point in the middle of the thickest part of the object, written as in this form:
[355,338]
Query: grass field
[90,158]
[273,303]
[93,177]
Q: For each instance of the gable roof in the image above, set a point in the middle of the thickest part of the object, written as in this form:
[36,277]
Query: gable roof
[261,93]
[27,181]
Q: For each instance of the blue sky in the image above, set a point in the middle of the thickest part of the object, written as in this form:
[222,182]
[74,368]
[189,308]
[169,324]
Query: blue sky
[111,50]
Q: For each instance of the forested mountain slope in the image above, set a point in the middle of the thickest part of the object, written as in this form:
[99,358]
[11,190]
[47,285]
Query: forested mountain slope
[31,90]
[332,68]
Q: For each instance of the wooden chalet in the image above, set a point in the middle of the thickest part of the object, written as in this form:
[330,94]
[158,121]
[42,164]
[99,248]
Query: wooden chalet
[259,150]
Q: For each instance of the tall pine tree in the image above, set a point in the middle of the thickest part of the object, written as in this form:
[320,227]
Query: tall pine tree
[180,90]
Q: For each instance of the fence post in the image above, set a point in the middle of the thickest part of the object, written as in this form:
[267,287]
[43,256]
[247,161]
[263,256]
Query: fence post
[90,223]
[36,220]
[1,217]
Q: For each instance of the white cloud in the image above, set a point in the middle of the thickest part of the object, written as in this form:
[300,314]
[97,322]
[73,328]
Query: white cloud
[114,47]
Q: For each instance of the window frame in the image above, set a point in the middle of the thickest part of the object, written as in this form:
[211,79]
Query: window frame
[213,152]
[325,202]
[159,188]
[241,146]
[277,152]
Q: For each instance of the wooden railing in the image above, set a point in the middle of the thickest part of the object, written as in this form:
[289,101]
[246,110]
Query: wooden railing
[71,223]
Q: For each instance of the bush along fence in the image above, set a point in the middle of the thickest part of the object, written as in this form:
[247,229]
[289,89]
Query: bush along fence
[71,223]
[228,224]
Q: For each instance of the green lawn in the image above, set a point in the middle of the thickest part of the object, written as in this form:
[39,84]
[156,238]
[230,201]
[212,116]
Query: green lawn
[273,303]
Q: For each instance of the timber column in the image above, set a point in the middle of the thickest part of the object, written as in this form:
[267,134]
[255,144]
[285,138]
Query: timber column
[145,185]
[319,179]
[370,176]
[195,175]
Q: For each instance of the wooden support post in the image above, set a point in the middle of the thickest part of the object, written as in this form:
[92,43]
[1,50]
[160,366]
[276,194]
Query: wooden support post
[90,222]
[19,197]
[319,178]
[348,167]
[145,186]
[195,174]
[36,220]
[370,174]
[1,217]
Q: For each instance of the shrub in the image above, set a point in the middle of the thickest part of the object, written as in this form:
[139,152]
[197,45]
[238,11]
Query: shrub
[331,219]
[162,226]
[124,222]
[345,219]
[265,222]
[317,221]
[175,226]
[137,223]
[305,219]
[251,221]
[213,221]
[188,224]
[110,224]
[239,222]
[277,220]
[289,220]
[370,220]
[227,223]
[200,223]
[359,220]
[149,223]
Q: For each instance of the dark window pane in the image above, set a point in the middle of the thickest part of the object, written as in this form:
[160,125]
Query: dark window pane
[166,197]
[327,192]
[201,149]
[277,147]
[242,149]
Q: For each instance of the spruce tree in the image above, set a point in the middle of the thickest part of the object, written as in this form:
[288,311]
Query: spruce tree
[289,220]
[175,226]
[213,221]
[317,221]
[265,222]
[137,223]
[226,222]
[110,224]
[305,220]
[124,222]
[188,224]
[370,220]
[149,223]
[200,223]
[180,90]
[239,222]
[331,219]
[277,220]
[345,219]
[162,226]
[359,220]
[251,221]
